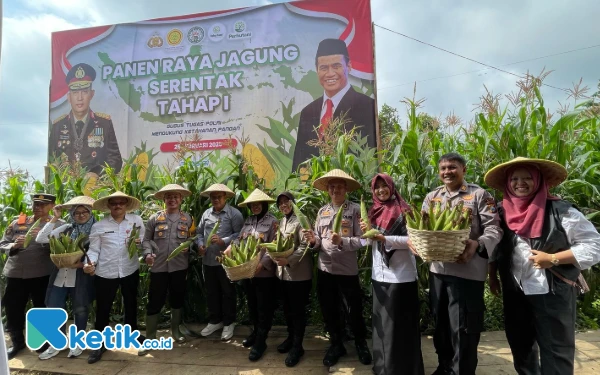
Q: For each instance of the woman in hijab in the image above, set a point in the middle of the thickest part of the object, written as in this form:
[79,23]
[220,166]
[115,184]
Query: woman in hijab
[546,244]
[73,282]
[261,291]
[396,334]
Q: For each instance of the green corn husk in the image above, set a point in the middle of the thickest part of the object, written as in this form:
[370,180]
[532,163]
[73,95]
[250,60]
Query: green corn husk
[29,235]
[184,245]
[57,246]
[213,232]
[370,233]
[364,214]
[337,222]
[131,245]
[302,219]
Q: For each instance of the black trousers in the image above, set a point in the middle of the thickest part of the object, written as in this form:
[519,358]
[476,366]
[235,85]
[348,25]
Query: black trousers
[540,328]
[17,293]
[396,333]
[220,295]
[261,293]
[330,290]
[162,282]
[106,290]
[296,296]
[457,306]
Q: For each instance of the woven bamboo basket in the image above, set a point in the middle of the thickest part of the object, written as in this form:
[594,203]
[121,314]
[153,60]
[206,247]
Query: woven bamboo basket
[243,271]
[281,254]
[67,260]
[440,246]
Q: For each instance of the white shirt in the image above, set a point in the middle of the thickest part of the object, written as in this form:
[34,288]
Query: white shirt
[66,277]
[108,246]
[336,99]
[3,355]
[585,244]
[402,266]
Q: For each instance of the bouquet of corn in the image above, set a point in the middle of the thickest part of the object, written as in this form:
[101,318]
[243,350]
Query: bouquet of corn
[66,252]
[241,263]
[439,234]
[438,219]
[281,248]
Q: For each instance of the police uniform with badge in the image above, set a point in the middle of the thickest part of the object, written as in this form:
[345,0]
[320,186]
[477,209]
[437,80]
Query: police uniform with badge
[456,289]
[296,283]
[164,233]
[89,141]
[261,290]
[338,271]
[27,271]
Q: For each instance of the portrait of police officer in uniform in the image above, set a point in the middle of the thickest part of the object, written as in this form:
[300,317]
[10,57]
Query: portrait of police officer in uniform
[339,97]
[84,136]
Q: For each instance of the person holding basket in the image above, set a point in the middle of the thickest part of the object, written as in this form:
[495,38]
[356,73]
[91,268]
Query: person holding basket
[295,273]
[456,288]
[261,290]
[546,244]
[396,334]
[70,281]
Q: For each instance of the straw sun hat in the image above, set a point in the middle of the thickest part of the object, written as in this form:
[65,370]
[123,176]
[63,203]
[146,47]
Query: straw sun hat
[552,172]
[256,196]
[102,203]
[78,201]
[172,188]
[321,182]
[217,188]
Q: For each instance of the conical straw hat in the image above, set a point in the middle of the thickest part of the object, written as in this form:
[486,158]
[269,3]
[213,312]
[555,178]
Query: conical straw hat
[102,203]
[81,200]
[256,196]
[552,172]
[172,188]
[321,182]
[214,188]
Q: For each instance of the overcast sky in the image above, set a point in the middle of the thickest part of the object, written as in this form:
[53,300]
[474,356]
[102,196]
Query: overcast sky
[494,32]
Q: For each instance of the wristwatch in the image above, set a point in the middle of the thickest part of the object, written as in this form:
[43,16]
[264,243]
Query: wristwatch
[554,260]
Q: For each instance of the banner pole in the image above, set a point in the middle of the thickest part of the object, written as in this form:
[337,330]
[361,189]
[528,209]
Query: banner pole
[377,129]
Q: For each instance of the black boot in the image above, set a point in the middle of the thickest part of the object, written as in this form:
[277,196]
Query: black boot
[296,352]
[96,355]
[286,345]
[249,341]
[364,355]
[259,347]
[335,352]
[18,344]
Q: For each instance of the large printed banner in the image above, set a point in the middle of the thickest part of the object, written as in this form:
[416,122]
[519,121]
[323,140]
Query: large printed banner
[262,79]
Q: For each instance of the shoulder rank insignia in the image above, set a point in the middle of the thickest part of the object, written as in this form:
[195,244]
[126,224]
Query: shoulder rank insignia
[102,115]
[59,119]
